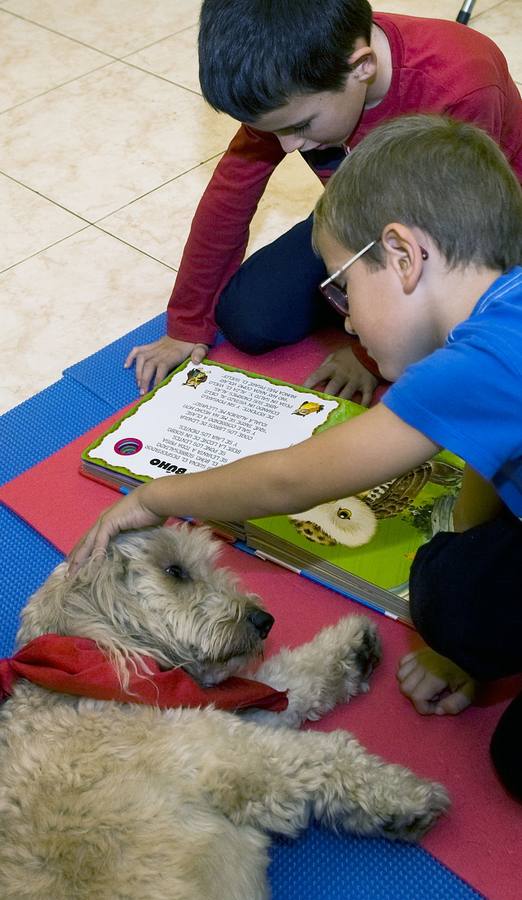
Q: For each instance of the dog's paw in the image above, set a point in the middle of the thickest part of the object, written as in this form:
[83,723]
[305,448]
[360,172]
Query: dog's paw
[405,807]
[352,649]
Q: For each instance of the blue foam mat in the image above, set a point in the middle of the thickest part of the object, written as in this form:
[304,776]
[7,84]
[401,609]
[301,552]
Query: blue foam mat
[26,560]
[319,865]
[103,374]
[45,423]
[322,865]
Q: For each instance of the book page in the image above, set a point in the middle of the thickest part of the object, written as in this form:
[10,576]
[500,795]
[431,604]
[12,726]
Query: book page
[206,416]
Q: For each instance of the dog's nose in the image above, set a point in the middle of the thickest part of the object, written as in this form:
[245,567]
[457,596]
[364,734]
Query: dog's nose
[262,622]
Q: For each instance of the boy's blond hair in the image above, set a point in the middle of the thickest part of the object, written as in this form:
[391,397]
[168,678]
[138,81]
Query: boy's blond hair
[446,177]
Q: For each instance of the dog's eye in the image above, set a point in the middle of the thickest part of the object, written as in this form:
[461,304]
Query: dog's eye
[177,572]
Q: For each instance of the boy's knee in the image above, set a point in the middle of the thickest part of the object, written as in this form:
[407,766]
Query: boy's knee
[432,594]
[506,748]
[240,329]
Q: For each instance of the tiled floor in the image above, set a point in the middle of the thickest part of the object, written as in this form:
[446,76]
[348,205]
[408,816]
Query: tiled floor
[105,147]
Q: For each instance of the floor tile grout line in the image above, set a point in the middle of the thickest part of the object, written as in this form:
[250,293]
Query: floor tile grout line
[158,188]
[58,33]
[55,87]
[106,65]
[45,197]
[159,41]
[484,12]
[79,231]
[96,222]
[184,87]
[138,249]
[112,56]
[44,249]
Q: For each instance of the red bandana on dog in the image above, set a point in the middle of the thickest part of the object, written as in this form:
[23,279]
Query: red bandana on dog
[74,665]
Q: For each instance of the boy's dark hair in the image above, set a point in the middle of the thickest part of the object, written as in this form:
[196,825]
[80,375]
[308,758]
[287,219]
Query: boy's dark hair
[445,177]
[256,54]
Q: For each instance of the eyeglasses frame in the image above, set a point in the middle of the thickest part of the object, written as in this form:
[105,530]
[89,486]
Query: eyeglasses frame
[344,310]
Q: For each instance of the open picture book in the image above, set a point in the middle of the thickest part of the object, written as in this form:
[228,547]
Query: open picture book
[207,415]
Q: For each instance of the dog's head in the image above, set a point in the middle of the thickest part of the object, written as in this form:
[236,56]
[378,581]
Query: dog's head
[157,592]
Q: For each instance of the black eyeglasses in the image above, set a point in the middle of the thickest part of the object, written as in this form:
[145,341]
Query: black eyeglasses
[336,295]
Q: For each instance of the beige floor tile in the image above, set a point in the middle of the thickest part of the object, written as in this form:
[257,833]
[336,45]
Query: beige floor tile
[175,58]
[117,27]
[159,223]
[430,9]
[125,145]
[503,24]
[290,198]
[69,301]
[30,223]
[34,60]
[110,137]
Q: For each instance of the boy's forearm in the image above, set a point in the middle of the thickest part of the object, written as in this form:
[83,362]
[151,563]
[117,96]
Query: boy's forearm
[257,486]
[339,462]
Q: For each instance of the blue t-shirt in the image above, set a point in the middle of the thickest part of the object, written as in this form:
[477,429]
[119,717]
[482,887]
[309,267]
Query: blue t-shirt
[467,396]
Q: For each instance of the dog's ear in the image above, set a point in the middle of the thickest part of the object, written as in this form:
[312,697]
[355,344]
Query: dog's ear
[44,612]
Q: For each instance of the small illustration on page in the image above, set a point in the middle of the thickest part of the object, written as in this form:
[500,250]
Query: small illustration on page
[307,408]
[195,377]
[128,446]
[352,521]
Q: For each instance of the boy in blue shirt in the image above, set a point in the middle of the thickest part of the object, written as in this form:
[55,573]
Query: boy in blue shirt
[421,231]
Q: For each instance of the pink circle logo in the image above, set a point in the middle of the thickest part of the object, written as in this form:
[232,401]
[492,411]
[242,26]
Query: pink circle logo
[128,446]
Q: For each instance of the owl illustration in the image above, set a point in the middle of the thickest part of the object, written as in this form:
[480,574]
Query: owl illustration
[195,377]
[308,407]
[395,496]
[349,521]
[352,521]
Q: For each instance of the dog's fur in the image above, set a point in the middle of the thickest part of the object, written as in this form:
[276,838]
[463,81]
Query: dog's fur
[108,801]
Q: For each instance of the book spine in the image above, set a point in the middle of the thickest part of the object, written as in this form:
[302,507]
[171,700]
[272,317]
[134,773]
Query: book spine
[121,489]
[321,581]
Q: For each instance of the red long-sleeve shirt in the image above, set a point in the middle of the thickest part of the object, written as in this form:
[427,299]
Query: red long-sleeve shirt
[437,67]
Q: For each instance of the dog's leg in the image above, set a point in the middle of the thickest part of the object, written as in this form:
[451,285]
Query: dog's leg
[328,670]
[277,779]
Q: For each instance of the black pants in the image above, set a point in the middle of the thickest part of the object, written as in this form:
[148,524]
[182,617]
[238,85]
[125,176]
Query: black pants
[273,299]
[466,602]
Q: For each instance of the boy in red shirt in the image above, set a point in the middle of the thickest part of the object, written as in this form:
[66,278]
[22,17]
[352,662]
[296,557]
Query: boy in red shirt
[331,74]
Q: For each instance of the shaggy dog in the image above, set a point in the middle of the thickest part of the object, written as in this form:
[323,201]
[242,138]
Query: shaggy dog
[102,800]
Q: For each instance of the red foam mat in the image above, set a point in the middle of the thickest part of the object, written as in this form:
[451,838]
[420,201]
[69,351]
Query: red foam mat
[481,837]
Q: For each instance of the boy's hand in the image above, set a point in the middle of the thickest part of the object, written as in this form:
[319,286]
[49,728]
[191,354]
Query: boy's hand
[156,360]
[344,376]
[434,684]
[131,512]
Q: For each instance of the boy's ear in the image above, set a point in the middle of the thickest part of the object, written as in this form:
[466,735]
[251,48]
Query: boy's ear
[363,62]
[404,254]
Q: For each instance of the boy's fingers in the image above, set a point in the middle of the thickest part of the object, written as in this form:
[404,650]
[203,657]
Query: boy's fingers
[146,376]
[350,388]
[408,656]
[409,683]
[325,370]
[366,395]
[454,703]
[80,553]
[198,354]
[335,385]
[312,379]
[95,541]
[161,373]
[131,357]
[406,665]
